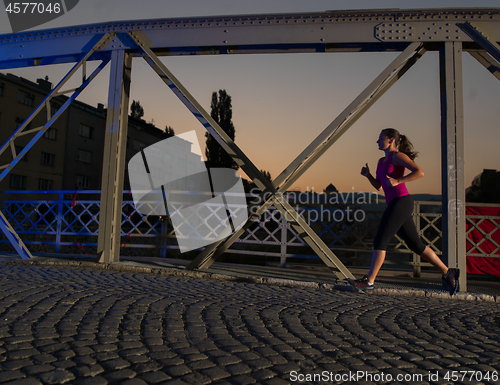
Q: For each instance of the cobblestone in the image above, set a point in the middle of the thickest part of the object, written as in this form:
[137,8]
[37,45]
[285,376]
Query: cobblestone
[88,326]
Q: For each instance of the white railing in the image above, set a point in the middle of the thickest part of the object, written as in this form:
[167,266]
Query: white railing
[67,222]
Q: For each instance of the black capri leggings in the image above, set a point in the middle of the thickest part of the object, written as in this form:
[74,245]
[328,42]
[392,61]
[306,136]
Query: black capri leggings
[397,218]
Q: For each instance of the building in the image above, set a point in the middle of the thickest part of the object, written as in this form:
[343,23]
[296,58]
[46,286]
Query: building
[69,156]
[42,167]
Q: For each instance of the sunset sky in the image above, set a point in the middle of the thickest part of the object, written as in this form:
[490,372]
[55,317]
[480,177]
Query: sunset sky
[282,101]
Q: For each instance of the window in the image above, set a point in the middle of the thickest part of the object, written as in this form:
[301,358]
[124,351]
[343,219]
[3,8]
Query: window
[17,181]
[85,131]
[51,134]
[45,184]
[137,145]
[82,182]
[25,98]
[20,121]
[47,159]
[2,86]
[53,108]
[84,156]
[18,151]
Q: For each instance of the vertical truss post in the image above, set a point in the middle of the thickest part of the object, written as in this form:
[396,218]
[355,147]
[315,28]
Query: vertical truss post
[110,218]
[452,155]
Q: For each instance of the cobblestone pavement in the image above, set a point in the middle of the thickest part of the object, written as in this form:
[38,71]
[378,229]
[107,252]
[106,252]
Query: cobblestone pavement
[88,326]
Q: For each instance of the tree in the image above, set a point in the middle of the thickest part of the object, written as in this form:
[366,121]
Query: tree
[485,188]
[222,113]
[136,110]
[267,175]
[169,131]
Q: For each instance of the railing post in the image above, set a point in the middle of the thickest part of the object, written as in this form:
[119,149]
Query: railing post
[60,207]
[283,229]
[163,239]
[417,268]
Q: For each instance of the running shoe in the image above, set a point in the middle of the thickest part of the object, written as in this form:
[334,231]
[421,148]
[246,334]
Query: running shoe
[451,279]
[362,284]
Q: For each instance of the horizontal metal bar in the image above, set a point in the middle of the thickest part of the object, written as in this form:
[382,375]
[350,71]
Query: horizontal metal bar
[343,31]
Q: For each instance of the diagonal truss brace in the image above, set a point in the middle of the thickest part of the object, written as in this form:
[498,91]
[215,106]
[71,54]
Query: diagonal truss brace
[350,115]
[237,154]
[46,103]
[491,48]
[487,61]
[13,238]
[482,38]
[7,229]
[197,110]
[332,133]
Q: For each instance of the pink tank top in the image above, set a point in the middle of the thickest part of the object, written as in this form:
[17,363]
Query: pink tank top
[384,168]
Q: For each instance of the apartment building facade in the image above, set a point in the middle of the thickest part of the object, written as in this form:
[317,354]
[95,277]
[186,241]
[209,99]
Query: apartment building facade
[69,156]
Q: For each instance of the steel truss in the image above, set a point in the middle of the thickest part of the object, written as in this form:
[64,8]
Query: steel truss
[307,158]
[38,132]
[411,32]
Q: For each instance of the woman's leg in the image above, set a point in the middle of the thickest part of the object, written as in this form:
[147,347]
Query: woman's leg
[430,256]
[395,215]
[410,235]
[377,262]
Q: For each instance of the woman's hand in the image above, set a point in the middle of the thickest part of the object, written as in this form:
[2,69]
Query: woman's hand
[365,171]
[391,181]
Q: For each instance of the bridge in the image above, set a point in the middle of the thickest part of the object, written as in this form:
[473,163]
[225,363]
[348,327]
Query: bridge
[411,33]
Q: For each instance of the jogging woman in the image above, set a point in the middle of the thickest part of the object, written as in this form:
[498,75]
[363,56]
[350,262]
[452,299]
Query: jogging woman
[397,217]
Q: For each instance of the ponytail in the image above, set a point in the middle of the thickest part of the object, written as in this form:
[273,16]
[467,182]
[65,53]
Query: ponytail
[402,143]
[406,147]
